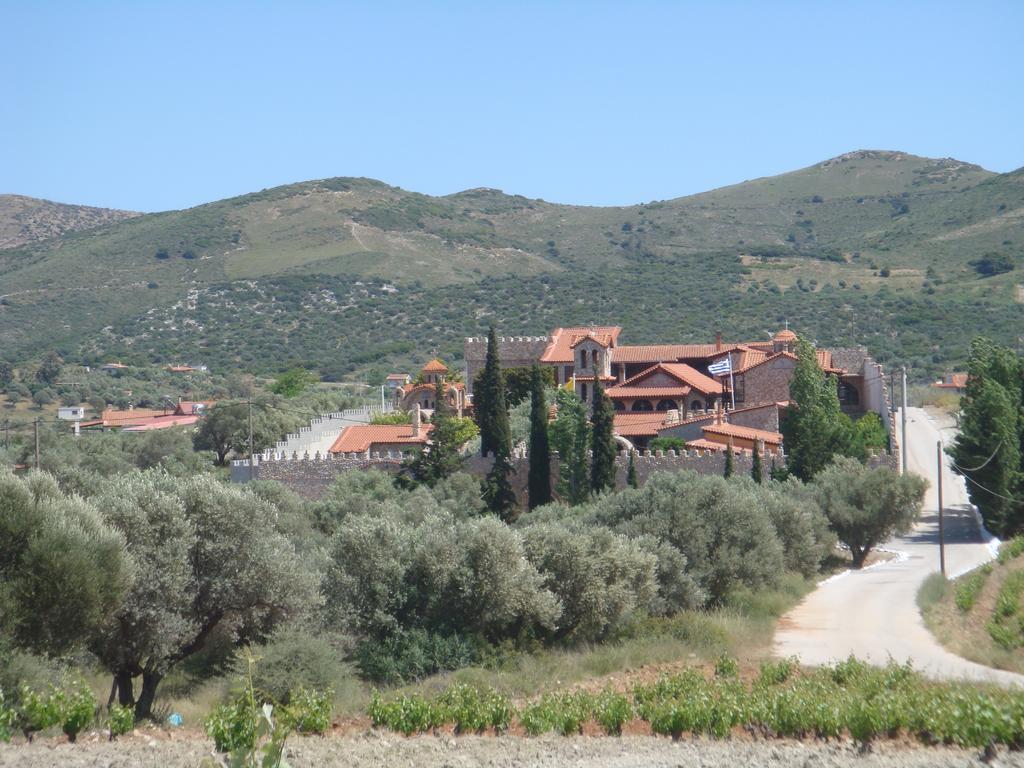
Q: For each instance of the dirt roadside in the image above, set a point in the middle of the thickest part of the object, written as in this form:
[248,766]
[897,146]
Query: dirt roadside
[385,750]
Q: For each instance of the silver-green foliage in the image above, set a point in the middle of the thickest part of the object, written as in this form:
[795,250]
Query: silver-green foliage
[63,568]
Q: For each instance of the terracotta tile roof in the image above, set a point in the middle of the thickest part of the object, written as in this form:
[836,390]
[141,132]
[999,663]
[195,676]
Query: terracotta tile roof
[180,368]
[663,353]
[591,378]
[639,424]
[161,422]
[955,381]
[747,433]
[360,438]
[681,372]
[623,391]
[604,339]
[397,377]
[111,417]
[824,360]
[784,335]
[693,377]
[559,349]
[435,366]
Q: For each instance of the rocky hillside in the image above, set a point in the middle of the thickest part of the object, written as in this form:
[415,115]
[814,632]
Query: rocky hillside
[881,248]
[28,220]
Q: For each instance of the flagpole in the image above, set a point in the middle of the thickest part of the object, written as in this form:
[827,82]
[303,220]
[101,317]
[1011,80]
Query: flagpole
[732,389]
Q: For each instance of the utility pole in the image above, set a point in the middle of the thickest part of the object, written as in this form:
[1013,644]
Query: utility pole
[903,447]
[942,532]
[35,425]
[252,469]
[7,434]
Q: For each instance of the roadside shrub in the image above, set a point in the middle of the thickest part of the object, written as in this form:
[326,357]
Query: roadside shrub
[120,720]
[1011,549]
[968,589]
[406,714]
[473,711]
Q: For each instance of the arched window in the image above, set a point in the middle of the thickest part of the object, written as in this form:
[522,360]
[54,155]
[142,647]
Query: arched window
[593,358]
[697,405]
[642,405]
[667,405]
[618,405]
[583,358]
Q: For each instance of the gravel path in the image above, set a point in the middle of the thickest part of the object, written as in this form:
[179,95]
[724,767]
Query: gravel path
[380,750]
[873,613]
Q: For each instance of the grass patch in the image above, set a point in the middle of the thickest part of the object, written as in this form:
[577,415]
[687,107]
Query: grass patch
[978,616]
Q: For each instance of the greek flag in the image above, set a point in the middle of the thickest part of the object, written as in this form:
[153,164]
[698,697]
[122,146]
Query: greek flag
[722,367]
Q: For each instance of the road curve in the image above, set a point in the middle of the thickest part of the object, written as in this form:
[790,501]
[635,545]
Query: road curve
[873,613]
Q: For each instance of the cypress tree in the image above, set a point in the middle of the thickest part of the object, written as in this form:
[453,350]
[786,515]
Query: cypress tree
[489,399]
[602,465]
[570,436]
[540,448]
[498,494]
[728,458]
[756,466]
[631,479]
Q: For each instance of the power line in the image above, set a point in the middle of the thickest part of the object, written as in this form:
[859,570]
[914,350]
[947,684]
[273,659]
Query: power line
[983,464]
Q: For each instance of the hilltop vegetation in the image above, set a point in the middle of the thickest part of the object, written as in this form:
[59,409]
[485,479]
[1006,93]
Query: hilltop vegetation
[25,220]
[344,275]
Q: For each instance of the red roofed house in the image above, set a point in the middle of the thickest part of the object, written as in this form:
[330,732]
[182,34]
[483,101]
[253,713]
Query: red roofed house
[667,387]
[381,438]
[954,381]
[717,436]
[185,413]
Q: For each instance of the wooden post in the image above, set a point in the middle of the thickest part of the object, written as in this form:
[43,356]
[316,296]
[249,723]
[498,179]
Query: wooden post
[35,425]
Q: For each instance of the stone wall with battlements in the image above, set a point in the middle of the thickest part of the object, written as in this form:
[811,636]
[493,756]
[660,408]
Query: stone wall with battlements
[513,352]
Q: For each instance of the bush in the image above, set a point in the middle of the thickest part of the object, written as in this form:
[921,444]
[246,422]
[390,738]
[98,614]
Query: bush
[8,717]
[408,656]
[77,710]
[1011,549]
[968,589]
[37,711]
[308,711]
[232,726]
[296,657]
[120,720]
[611,711]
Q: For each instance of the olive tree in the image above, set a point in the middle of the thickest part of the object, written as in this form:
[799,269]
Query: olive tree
[601,578]
[63,570]
[867,507]
[206,556]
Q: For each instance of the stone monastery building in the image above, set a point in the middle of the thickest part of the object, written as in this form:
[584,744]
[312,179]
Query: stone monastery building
[667,390]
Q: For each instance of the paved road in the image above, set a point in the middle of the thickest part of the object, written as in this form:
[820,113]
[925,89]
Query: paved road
[873,613]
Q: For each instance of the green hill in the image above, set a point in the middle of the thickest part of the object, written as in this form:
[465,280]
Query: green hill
[347,274]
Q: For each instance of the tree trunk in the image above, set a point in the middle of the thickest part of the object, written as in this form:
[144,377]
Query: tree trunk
[144,706]
[860,554]
[125,690]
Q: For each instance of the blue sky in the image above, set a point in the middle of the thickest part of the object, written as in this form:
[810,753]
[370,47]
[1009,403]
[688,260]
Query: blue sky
[152,106]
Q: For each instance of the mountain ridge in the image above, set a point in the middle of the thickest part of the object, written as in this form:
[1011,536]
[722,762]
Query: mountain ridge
[863,227]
